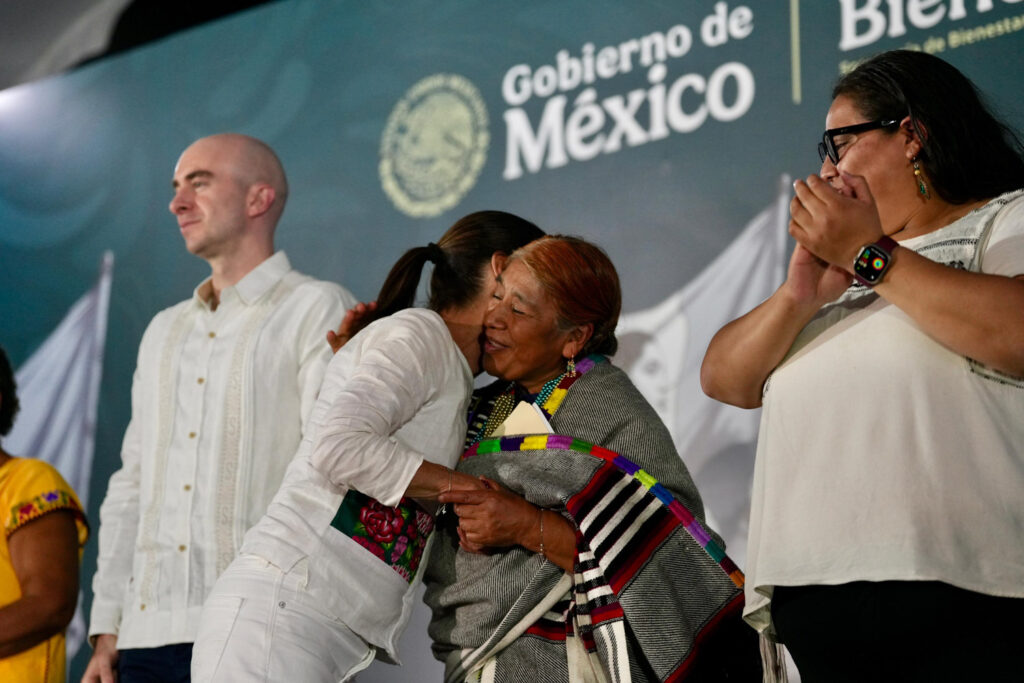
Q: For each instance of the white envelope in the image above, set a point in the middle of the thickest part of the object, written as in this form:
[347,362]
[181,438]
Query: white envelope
[526,418]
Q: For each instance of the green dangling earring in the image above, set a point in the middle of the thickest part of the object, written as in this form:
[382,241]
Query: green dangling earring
[919,175]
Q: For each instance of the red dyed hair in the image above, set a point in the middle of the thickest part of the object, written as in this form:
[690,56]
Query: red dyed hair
[581,282]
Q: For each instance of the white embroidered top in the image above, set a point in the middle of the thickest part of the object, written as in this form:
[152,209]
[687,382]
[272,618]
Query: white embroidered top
[394,396]
[219,399]
[882,454]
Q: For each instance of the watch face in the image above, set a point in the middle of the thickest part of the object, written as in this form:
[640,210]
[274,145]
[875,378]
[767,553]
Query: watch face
[870,264]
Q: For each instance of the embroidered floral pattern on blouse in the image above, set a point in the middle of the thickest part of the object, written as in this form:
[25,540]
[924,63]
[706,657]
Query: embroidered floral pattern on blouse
[25,511]
[396,536]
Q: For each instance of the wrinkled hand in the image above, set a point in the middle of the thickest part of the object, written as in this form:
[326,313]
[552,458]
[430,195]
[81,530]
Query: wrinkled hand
[456,482]
[102,666]
[833,224]
[353,321]
[491,518]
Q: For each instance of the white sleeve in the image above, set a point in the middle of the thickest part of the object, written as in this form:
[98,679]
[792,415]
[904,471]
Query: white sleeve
[393,376]
[1005,252]
[119,519]
[315,353]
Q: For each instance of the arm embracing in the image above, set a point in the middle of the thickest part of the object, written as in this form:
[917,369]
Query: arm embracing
[391,378]
[350,325]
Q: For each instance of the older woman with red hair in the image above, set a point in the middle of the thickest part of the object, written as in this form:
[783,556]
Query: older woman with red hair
[587,556]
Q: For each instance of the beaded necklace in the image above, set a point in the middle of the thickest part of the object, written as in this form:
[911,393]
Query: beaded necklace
[548,400]
[506,400]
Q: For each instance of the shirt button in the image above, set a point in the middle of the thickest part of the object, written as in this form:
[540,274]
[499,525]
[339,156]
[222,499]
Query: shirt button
[142,606]
[191,435]
[212,335]
[188,487]
[200,380]
[181,548]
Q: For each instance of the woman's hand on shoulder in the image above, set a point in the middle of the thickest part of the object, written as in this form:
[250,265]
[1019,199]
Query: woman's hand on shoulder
[353,321]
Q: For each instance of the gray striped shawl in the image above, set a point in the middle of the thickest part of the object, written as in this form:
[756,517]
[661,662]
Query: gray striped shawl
[478,599]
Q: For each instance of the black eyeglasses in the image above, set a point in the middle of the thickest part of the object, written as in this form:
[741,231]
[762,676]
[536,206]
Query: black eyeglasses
[827,146]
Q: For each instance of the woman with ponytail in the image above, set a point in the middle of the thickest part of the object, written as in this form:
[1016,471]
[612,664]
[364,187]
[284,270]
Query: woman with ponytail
[326,580]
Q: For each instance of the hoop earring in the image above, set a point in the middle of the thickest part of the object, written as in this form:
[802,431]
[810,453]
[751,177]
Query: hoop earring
[919,176]
[570,367]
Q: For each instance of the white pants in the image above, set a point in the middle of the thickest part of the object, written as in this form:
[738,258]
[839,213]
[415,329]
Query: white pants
[259,624]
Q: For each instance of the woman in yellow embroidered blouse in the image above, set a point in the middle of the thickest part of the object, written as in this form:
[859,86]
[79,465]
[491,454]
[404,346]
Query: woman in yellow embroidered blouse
[44,530]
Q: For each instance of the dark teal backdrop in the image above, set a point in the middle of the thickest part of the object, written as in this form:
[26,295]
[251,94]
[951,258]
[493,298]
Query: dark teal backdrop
[86,158]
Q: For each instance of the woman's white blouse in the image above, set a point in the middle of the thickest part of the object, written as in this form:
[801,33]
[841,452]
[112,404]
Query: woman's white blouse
[883,455]
[395,395]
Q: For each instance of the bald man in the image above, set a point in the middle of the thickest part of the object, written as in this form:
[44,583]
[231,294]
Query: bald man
[224,383]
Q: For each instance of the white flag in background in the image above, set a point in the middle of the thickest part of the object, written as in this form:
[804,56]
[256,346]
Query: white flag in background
[662,348]
[58,389]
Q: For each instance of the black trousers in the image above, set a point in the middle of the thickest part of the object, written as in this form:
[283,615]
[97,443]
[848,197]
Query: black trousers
[167,664]
[900,631]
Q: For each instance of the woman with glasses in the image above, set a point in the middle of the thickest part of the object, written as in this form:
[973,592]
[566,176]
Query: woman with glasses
[888,505]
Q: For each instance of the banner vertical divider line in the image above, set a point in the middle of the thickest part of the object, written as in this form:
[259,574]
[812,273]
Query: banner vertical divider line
[794,49]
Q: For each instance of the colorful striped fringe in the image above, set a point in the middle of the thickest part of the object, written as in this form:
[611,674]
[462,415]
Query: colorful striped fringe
[689,522]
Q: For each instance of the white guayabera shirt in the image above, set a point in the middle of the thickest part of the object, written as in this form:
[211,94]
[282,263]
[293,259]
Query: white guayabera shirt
[219,399]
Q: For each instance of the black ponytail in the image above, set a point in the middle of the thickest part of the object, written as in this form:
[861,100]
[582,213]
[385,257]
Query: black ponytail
[459,258]
[399,288]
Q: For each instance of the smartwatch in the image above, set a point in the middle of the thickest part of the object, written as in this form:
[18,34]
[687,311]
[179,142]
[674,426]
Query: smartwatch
[873,260]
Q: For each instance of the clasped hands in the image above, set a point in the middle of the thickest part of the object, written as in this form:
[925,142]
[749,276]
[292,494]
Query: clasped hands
[491,517]
[830,222]
[833,223]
